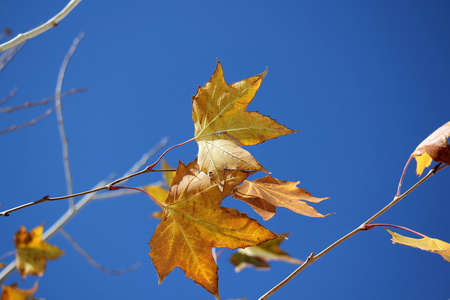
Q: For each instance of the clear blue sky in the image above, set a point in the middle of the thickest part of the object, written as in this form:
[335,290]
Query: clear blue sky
[365,81]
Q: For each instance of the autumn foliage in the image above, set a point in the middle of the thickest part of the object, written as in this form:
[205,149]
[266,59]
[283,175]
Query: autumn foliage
[192,220]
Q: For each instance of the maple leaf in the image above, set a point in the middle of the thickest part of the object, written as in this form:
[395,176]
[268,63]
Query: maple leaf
[32,252]
[265,194]
[193,223]
[434,147]
[222,124]
[12,292]
[258,256]
[428,244]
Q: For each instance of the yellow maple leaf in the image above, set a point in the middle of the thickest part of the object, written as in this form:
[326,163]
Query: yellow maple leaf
[259,256]
[222,124]
[193,223]
[428,244]
[434,147]
[32,252]
[265,194]
[12,292]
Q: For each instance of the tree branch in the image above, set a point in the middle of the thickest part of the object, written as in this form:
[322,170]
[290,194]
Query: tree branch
[312,258]
[91,260]
[58,106]
[40,29]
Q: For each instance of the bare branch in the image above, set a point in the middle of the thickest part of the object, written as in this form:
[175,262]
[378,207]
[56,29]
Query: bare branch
[98,188]
[27,124]
[36,103]
[9,96]
[44,27]
[312,258]
[58,106]
[6,57]
[91,260]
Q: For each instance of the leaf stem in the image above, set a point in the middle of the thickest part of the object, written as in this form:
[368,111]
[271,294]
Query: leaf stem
[370,226]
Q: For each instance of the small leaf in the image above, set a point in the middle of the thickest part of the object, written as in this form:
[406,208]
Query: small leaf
[11,292]
[194,222]
[434,147]
[259,256]
[267,193]
[428,244]
[32,252]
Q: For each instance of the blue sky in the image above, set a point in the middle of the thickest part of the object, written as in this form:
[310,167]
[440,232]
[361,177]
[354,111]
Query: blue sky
[365,81]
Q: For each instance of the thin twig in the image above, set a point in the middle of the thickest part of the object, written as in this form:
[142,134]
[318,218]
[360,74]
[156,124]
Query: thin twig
[29,123]
[312,258]
[94,190]
[9,96]
[58,106]
[91,260]
[40,29]
[6,57]
[70,213]
[36,103]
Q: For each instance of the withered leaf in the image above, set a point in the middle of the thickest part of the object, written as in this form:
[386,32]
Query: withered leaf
[265,194]
[12,292]
[193,223]
[219,113]
[428,244]
[434,147]
[32,252]
[259,256]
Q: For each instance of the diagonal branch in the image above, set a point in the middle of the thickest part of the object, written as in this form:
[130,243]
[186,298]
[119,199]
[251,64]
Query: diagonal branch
[7,56]
[36,103]
[70,213]
[312,258]
[40,29]
[9,96]
[91,260]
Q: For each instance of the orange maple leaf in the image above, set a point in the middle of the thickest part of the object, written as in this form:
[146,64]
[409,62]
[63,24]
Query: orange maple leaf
[428,244]
[32,252]
[222,124]
[193,222]
[265,194]
[434,147]
[12,292]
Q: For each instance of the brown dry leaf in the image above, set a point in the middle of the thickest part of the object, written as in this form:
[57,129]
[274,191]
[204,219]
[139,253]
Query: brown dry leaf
[428,244]
[259,256]
[32,252]
[219,113]
[267,193]
[194,222]
[434,147]
[11,292]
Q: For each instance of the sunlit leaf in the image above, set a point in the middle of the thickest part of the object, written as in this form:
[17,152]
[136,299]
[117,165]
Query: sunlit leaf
[267,193]
[219,113]
[32,252]
[259,256]
[428,244]
[12,292]
[194,222]
[434,147]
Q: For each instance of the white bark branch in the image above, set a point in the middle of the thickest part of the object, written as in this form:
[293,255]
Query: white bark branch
[40,29]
